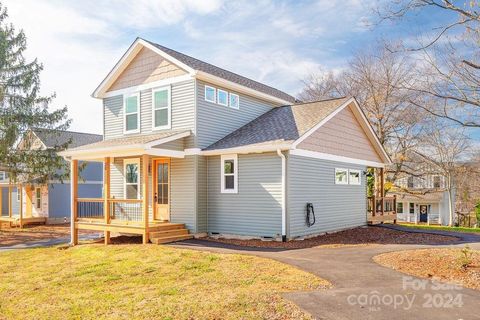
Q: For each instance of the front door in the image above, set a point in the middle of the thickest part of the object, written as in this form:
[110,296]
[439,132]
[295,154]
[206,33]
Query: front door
[161,189]
[423,213]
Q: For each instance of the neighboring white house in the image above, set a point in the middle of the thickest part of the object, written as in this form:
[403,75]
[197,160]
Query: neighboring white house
[423,199]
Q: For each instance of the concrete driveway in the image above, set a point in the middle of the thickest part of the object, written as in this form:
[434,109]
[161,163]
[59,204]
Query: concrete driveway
[363,289]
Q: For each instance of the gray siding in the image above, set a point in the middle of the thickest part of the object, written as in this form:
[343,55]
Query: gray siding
[93,171]
[256,209]
[202,193]
[215,121]
[336,206]
[182,185]
[183,113]
[15,203]
[59,197]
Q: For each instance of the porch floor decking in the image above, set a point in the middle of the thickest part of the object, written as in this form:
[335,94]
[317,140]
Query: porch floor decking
[15,220]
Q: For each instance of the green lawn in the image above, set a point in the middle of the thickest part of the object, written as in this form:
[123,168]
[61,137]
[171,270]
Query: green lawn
[443,228]
[146,282]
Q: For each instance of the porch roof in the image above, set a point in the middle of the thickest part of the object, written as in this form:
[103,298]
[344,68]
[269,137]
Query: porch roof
[129,145]
[420,196]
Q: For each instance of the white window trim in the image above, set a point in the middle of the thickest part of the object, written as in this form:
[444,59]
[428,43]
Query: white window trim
[125,163]
[233,157]
[169,108]
[335,177]
[218,97]
[238,99]
[359,176]
[125,97]
[214,94]
[38,198]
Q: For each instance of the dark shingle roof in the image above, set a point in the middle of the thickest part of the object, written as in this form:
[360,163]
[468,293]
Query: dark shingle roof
[279,125]
[51,138]
[224,74]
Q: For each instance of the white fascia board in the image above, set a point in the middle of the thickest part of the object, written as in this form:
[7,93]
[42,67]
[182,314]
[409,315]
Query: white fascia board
[332,157]
[247,149]
[164,153]
[149,85]
[168,139]
[239,88]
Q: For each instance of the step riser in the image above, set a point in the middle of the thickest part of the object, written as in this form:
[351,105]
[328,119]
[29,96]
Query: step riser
[166,228]
[171,239]
[171,233]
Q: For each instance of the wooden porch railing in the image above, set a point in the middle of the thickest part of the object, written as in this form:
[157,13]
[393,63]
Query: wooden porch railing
[382,205]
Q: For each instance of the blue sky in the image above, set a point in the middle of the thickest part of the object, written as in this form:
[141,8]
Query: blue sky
[276,42]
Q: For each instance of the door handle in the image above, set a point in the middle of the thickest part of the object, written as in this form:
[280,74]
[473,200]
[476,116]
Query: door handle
[156,197]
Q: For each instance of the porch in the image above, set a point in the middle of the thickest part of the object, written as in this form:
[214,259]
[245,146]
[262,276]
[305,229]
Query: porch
[14,209]
[136,188]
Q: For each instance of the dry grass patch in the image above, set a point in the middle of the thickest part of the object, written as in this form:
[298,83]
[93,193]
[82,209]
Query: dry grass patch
[445,264]
[146,282]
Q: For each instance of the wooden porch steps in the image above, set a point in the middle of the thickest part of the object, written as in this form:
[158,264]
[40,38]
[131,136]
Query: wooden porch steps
[166,233]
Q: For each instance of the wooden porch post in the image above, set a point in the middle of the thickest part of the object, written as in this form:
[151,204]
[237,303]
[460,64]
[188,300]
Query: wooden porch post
[382,189]
[10,204]
[106,196]
[73,201]
[145,160]
[20,189]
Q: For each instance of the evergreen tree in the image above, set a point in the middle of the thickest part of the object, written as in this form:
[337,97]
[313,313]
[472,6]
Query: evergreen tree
[22,108]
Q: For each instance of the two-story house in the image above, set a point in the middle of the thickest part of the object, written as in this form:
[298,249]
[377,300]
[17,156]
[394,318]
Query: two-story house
[28,202]
[193,149]
[422,197]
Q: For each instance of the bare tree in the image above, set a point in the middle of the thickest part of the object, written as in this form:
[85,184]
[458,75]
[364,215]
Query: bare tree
[449,76]
[444,148]
[378,79]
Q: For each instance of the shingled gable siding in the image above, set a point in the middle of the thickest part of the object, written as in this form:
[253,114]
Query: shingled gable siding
[183,113]
[215,121]
[343,136]
[256,209]
[336,206]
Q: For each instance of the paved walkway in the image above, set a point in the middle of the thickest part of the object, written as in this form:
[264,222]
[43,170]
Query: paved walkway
[363,289]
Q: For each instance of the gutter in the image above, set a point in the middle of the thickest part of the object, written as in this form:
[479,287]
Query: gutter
[284,198]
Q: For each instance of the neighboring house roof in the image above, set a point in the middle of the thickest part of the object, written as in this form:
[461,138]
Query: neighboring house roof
[280,125]
[134,141]
[51,138]
[194,67]
[426,196]
[224,74]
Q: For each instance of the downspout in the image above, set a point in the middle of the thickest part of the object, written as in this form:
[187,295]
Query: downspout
[284,198]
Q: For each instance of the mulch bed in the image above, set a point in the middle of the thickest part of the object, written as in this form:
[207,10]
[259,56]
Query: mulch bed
[357,236]
[444,264]
[29,233]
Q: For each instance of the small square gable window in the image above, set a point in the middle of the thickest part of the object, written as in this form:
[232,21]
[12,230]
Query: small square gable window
[234,101]
[222,97]
[210,94]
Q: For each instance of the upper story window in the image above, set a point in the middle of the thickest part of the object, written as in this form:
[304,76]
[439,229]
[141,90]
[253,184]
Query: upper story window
[234,101]
[161,108]
[410,183]
[131,110]
[437,182]
[210,94]
[131,176]
[229,173]
[222,97]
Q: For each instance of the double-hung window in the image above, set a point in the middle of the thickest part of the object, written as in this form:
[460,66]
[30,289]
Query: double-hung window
[38,198]
[229,173]
[222,97]
[161,108]
[132,180]
[399,207]
[131,111]
[210,94]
